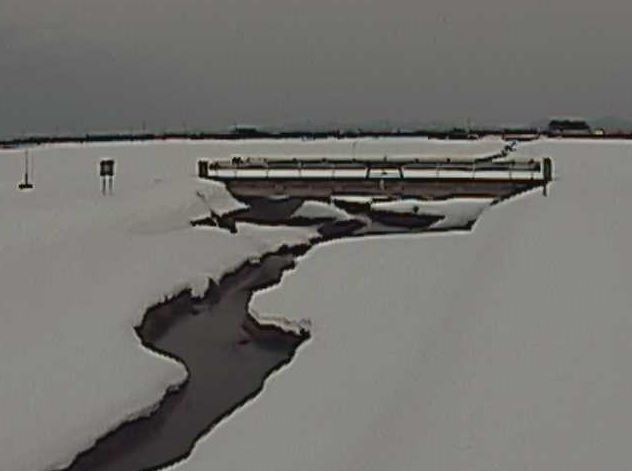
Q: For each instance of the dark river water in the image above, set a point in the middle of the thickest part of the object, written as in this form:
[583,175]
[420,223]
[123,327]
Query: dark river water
[228,358]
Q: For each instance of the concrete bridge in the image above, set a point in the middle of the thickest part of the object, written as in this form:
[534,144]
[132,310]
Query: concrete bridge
[429,179]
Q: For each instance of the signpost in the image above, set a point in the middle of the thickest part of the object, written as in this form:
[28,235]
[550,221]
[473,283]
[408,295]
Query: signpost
[106,170]
[203,168]
[547,173]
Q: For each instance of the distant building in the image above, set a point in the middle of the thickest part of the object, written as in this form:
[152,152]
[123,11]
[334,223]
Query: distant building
[460,133]
[246,130]
[569,127]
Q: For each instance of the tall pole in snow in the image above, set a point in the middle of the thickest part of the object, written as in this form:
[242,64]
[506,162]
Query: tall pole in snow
[26,167]
[25,184]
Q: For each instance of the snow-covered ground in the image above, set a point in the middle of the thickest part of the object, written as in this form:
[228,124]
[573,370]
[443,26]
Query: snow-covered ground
[78,270]
[505,349]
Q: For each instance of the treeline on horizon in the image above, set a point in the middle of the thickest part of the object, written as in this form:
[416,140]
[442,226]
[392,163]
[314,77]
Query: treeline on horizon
[452,134]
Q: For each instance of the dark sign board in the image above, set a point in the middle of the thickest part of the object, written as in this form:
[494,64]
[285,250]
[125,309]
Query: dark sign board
[202,168]
[107,168]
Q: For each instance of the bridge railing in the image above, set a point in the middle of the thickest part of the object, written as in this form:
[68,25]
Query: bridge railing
[375,169]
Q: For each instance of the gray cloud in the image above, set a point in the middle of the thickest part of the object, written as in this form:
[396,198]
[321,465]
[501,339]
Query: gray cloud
[87,65]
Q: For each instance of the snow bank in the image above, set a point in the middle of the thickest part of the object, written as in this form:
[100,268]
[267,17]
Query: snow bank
[319,210]
[68,311]
[297,327]
[358,199]
[507,348]
[78,271]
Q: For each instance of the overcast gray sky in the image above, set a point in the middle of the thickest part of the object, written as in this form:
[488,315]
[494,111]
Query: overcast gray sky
[79,65]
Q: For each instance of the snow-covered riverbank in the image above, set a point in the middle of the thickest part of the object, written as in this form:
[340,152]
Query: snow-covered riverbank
[78,270]
[507,348]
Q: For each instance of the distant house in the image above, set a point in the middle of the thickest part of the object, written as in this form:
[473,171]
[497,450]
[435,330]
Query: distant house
[569,127]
